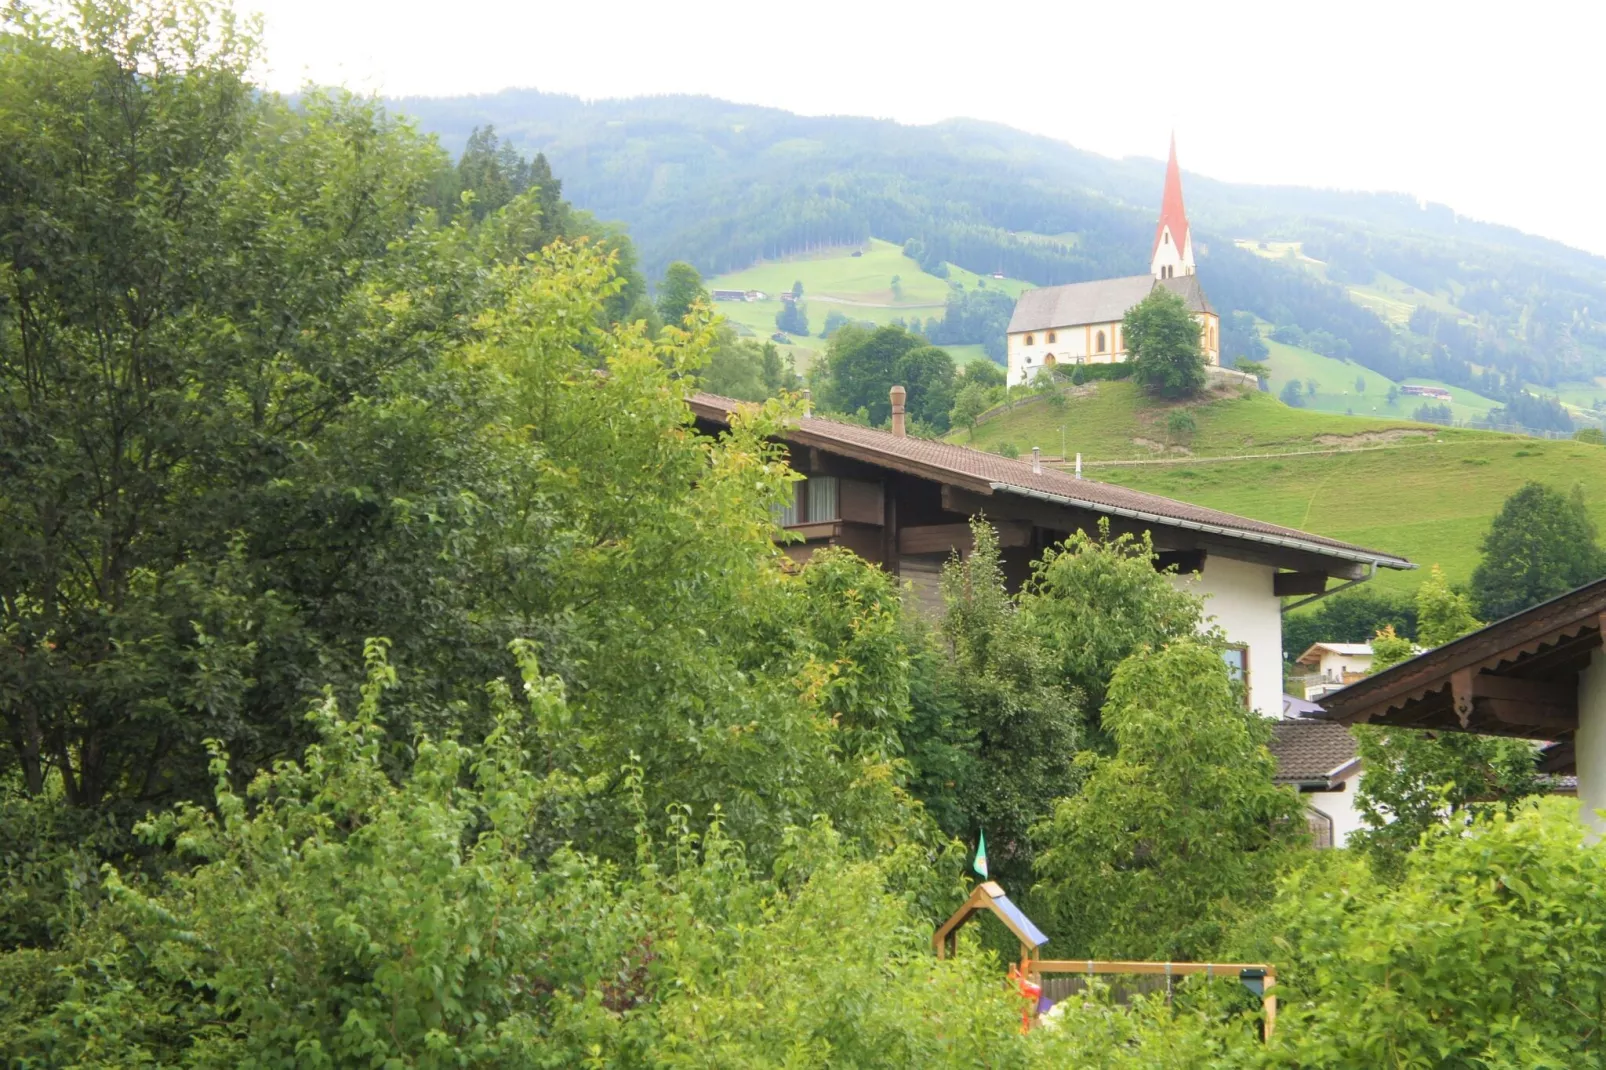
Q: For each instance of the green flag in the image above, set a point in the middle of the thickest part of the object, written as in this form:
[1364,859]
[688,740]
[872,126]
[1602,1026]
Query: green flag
[980,865]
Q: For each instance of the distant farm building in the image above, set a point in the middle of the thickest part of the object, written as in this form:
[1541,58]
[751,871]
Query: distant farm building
[1437,393]
[739,295]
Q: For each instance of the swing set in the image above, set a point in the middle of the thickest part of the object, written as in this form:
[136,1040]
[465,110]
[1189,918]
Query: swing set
[1258,977]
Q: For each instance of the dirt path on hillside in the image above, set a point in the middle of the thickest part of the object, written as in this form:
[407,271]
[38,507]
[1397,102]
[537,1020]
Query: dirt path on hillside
[1249,456]
[826,299]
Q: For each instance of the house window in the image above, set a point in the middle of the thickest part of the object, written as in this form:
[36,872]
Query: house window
[1236,655]
[823,499]
[1051,338]
[1028,339]
[787,515]
[815,500]
[1098,343]
[1321,828]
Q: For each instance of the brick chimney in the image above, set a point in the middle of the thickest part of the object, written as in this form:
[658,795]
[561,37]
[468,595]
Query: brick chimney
[898,394]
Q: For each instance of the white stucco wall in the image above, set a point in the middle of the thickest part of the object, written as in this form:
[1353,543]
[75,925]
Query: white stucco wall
[1238,596]
[1334,665]
[1070,346]
[1080,344]
[1340,806]
[1589,743]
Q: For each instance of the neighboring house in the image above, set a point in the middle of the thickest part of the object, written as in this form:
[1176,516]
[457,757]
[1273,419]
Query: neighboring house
[1081,323]
[1318,759]
[1334,665]
[1540,674]
[905,503]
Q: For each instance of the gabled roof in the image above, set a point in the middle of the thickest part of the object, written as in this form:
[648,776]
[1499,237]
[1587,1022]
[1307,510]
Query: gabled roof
[1351,650]
[1191,291]
[1516,677]
[989,895]
[1311,752]
[988,473]
[1103,301]
[1172,214]
[1294,706]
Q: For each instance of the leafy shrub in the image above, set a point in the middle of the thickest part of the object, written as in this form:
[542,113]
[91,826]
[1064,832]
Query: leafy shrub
[335,916]
[1093,373]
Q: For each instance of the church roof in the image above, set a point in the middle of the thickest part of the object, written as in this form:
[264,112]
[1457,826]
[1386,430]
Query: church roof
[1172,214]
[1104,301]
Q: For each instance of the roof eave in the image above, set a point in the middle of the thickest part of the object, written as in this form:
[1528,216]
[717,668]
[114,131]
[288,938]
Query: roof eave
[1430,671]
[1304,546]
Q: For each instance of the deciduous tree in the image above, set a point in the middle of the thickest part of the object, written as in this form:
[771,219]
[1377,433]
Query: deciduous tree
[1095,600]
[1541,544]
[1180,828]
[1162,341]
[681,288]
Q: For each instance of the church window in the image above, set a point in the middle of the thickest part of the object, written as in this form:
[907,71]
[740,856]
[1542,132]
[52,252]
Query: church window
[1165,236]
[1028,339]
[1098,343]
[1050,337]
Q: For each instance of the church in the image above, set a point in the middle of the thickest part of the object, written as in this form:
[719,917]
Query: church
[1081,323]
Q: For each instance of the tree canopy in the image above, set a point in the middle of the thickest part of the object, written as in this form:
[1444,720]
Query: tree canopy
[393,674]
[863,364]
[681,288]
[1162,342]
[1541,544]
[1177,828]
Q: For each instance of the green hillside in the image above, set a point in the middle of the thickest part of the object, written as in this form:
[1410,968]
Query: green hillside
[1425,492]
[1338,392]
[858,286]
[1111,421]
[1407,288]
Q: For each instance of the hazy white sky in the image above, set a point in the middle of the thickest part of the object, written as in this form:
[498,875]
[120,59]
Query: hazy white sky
[1493,109]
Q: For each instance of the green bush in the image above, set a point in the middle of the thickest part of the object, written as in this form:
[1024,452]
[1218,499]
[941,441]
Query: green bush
[1093,373]
[335,916]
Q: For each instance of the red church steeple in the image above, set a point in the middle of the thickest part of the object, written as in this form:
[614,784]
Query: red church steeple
[1173,218]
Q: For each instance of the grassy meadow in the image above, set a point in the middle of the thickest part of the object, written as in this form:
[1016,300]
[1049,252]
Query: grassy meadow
[1426,492]
[859,287]
[1113,421]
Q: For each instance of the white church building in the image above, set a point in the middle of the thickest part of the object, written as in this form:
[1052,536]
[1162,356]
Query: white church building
[1080,323]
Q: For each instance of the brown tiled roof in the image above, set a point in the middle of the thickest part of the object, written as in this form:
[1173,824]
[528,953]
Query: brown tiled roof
[1308,751]
[989,473]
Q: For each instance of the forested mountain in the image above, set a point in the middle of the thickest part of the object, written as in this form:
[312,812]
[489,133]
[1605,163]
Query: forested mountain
[723,184]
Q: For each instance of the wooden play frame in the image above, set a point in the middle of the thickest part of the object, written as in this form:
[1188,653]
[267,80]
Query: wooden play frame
[1264,974]
[989,896]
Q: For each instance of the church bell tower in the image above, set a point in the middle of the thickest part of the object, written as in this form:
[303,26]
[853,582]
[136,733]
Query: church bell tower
[1173,242]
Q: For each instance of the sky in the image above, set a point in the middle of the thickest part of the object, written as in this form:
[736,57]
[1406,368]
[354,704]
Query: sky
[1494,110]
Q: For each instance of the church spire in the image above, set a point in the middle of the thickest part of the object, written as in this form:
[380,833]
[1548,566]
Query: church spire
[1173,249]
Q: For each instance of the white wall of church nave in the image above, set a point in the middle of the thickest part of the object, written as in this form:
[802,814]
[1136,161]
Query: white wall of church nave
[1070,345]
